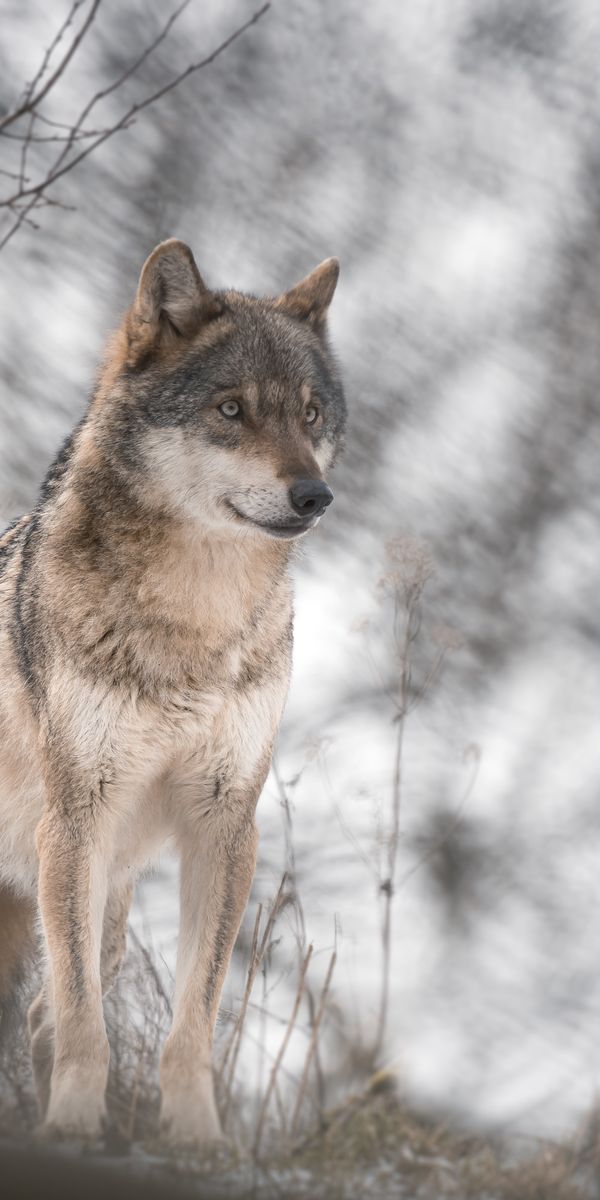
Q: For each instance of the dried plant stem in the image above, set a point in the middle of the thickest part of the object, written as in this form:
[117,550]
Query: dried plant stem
[152,968]
[387,885]
[319,1076]
[235,1039]
[280,1111]
[282,1049]
[312,1045]
[257,954]
[131,1116]
[290,857]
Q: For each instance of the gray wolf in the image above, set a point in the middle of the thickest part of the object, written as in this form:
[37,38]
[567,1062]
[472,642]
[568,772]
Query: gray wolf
[145,642]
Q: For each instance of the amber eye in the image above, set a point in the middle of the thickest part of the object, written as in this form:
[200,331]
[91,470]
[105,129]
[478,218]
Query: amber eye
[311,415]
[230,409]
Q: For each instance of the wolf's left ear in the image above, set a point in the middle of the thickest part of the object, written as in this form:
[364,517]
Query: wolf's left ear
[172,300]
[310,299]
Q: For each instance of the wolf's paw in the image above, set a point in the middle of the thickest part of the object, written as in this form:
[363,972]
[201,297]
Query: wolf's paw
[83,1123]
[80,1139]
[196,1131]
[192,1141]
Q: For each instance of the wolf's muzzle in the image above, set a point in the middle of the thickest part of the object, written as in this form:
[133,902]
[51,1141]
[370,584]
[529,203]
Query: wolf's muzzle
[310,497]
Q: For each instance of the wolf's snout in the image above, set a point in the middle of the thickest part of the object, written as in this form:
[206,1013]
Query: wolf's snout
[310,497]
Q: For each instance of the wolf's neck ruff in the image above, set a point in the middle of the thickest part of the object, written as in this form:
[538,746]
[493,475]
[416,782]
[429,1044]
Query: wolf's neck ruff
[169,564]
[151,599]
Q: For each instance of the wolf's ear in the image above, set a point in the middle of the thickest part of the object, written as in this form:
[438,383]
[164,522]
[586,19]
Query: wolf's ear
[172,300]
[310,299]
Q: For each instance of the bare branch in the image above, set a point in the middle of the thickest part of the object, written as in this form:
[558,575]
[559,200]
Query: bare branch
[10,174]
[31,101]
[37,139]
[312,1045]
[257,955]
[32,191]
[117,83]
[282,1049]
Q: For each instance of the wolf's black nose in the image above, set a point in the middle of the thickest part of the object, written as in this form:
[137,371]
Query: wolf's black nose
[309,497]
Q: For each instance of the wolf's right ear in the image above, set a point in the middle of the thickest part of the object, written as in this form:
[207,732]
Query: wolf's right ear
[310,299]
[171,303]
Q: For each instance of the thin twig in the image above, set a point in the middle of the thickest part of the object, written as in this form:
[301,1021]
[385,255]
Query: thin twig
[251,962]
[31,101]
[123,121]
[151,965]
[354,842]
[235,1039]
[30,89]
[430,678]
[131,1116]
[312,1045]
[37,139]
[290,853]
[281,1111]
[32,192]
[257,955]
[128,73]
[24,152]
[282,1049]
[387,885]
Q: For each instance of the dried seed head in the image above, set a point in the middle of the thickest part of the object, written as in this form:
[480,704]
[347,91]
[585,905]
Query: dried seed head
[409,567]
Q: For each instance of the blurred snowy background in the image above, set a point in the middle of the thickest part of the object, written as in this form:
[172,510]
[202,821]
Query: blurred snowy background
[449,155]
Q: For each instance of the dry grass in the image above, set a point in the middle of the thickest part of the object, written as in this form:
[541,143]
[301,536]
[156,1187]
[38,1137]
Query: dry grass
[373,1139]
[138,1016]
[376,1133]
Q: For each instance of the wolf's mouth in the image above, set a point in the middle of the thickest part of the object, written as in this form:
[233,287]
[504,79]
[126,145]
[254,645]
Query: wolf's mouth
[291,530]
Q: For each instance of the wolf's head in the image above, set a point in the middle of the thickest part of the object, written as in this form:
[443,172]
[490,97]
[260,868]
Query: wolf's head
[229,406]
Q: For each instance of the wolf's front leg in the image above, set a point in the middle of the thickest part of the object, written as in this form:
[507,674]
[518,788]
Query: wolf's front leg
[216,876]
[72,894]
[40,1017]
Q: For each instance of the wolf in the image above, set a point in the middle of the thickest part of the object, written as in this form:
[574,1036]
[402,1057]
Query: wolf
[145,649]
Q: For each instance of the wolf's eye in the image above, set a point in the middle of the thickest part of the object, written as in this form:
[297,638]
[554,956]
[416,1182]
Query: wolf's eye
[230,408]
[311,415]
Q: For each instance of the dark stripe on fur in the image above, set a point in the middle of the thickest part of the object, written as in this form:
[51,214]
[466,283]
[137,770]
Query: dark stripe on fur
[220,950]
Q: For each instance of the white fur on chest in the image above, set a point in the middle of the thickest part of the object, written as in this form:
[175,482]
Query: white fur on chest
[160,759]
[155,759]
